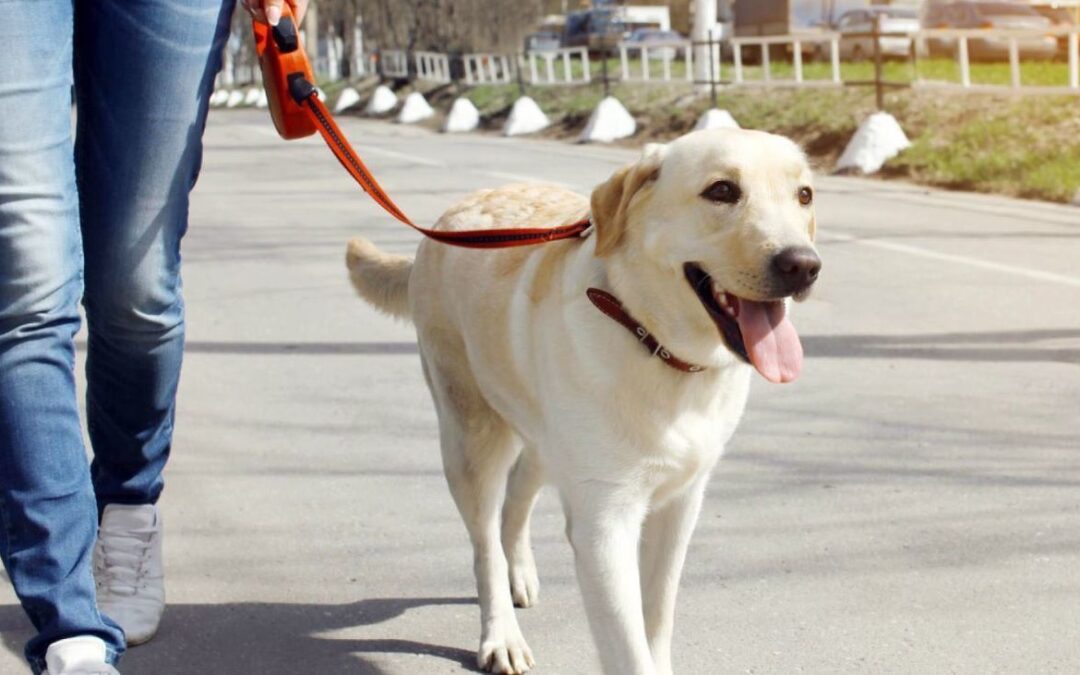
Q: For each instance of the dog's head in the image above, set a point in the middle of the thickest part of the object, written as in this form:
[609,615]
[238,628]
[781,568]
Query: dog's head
[714,231]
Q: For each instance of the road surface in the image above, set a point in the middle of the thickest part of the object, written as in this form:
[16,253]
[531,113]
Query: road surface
[912,504]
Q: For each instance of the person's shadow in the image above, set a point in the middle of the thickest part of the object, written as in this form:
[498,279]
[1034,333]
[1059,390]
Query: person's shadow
[265,638]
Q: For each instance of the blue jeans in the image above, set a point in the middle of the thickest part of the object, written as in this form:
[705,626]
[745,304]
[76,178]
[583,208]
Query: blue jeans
[97,220]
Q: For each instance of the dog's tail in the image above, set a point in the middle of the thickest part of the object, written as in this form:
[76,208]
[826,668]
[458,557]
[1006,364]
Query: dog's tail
[380,278]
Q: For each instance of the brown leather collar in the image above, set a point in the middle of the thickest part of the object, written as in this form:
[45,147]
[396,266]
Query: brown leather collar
[611,306]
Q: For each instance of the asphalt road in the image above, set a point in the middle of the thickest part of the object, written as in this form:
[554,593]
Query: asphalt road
[912,504]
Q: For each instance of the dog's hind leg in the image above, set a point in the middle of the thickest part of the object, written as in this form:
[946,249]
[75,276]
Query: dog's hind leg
[665,538]
[478,449]
[525,482]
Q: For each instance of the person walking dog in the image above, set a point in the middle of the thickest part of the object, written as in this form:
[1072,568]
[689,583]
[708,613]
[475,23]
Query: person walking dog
[95,215]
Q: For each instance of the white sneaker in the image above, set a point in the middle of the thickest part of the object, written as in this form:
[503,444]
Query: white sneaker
[83,655]
[128,570]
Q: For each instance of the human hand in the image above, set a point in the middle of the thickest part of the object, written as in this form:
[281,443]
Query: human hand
[269,11]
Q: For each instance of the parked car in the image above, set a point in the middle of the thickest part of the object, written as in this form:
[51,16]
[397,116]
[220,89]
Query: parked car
[893,20]
[600,30]
[542,41]
[1060,17]
[990,15]
[662,44]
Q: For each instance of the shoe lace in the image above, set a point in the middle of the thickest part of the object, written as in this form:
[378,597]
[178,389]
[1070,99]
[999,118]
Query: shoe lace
[122,557]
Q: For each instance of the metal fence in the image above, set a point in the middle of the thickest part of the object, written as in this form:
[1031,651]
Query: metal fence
[795,43]
[667,54]
[489,68]
[1013,38]
[961,41]
[433,67]
[574,61]
[738,62]
[394,63]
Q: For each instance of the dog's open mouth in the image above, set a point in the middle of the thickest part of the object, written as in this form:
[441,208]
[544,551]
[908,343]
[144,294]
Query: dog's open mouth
[758,332]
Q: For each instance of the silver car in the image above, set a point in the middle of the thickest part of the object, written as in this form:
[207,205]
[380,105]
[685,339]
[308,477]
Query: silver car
[855,47]
[990,16]
[661,44]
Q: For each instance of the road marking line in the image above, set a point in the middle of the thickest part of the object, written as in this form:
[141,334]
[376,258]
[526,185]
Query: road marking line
[521,178]
[501,175]
[953,258]
[404,157]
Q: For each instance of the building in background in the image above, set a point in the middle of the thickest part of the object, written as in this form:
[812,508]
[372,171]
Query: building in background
[790,17]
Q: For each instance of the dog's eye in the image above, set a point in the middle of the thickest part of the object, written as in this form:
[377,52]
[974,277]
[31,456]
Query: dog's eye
[806,195]
[723,191]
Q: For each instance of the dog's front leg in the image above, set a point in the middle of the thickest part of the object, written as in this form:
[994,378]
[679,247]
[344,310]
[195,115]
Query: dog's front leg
[665,539]
[604,527]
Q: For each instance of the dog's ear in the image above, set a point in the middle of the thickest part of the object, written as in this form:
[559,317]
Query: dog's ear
[611,200]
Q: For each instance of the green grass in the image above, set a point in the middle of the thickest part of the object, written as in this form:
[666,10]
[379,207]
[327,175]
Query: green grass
[1028,147]
[1032,73]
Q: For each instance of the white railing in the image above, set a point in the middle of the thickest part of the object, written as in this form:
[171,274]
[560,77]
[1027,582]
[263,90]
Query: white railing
[548,74]
[665,53]
[1014,41]
[488,69]
[364,64]
[964,36]
[433,67]
[795,42]
[394,63]
[656,63]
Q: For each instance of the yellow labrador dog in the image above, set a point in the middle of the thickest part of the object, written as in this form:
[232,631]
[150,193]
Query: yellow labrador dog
[614,366]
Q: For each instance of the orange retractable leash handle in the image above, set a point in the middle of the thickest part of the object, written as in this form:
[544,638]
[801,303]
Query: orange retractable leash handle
[282,58]
[297,112]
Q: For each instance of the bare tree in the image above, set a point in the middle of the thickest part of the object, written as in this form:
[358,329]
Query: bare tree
[436,25]
[449,25]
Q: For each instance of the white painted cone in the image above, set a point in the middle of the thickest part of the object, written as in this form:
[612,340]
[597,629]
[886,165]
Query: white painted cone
[415,109]
[878,139]
[251,96]
[463,116]
[382,101]
[262,101]
[715,118]
[526,117]
[218,98]
[346,99]
[235,99]
[610,121]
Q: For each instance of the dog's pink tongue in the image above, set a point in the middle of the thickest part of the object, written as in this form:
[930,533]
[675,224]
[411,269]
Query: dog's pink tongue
[771,340]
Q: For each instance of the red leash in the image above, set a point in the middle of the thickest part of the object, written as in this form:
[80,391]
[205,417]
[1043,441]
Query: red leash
[297,112]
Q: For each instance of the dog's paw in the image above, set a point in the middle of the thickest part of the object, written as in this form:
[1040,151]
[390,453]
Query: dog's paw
[503,650]
[524,581]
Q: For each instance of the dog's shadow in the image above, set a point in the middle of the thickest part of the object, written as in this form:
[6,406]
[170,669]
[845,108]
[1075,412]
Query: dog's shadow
[266,638]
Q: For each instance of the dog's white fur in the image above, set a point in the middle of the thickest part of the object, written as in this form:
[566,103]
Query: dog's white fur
[533,384]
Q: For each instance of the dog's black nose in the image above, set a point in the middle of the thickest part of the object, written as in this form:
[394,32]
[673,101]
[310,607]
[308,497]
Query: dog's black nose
[796,268]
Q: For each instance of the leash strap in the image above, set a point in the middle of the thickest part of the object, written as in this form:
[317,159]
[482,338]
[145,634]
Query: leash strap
[304,94]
